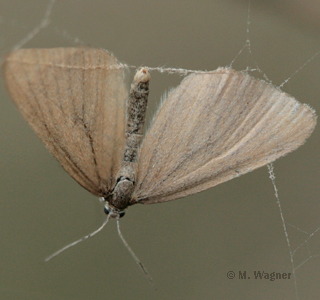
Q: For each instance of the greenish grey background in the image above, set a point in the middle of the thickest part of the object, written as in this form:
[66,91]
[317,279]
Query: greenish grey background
[190,244]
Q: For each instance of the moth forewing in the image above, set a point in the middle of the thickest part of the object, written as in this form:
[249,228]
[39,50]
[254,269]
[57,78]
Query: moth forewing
[214,127]
[74,99]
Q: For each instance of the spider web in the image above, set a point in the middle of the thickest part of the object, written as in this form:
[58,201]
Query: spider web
[302,243]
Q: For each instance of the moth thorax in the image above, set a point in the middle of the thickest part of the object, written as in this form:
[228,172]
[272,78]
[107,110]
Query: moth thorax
[122,193]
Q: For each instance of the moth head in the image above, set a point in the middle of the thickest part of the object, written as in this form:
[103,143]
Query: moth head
[113,212]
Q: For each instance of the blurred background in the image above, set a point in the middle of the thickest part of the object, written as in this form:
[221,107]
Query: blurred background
[188,245]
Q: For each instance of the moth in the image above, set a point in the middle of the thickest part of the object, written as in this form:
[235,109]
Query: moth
[213,127]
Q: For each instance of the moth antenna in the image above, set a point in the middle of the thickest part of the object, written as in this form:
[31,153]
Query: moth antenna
[136,259]
[78,241]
